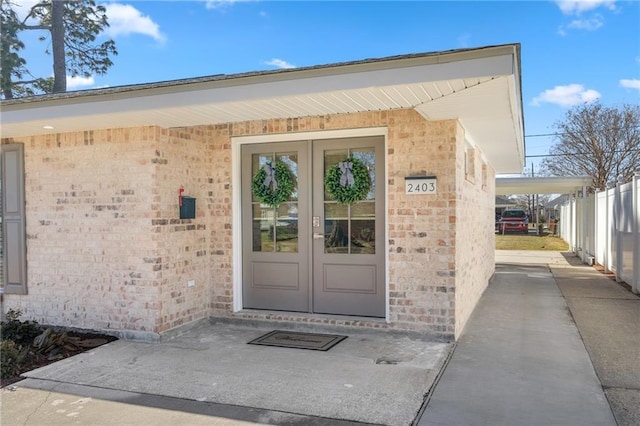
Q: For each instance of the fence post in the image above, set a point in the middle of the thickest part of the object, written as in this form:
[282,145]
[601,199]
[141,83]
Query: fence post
[617,210]
[607,231]
[585,217]
[574,224]
[635,217]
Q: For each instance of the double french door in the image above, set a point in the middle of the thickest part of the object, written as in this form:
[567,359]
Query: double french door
[311,253]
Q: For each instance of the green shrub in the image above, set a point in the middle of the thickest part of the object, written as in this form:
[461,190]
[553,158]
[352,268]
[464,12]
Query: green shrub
[20,332]
[11,357]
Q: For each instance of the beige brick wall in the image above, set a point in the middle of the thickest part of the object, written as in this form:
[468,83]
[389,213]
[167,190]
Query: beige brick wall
[107,250]
[475,237]
[89,230]
[183,159]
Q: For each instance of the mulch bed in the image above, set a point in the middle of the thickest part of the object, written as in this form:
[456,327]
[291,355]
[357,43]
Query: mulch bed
[83,342]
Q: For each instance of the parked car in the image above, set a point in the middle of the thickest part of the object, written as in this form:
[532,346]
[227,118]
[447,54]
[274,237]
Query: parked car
[515,220]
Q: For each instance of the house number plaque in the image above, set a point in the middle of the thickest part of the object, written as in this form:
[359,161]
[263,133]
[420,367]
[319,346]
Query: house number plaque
[418,185]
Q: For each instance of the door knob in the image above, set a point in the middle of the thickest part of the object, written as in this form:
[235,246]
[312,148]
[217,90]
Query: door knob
[318,236]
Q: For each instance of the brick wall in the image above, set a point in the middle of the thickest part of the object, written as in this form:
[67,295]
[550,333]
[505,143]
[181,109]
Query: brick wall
[107,250]
[475,237]
[1,242]
[89,231]
[184,247]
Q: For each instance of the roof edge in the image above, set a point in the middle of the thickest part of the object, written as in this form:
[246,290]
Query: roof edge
[196,83]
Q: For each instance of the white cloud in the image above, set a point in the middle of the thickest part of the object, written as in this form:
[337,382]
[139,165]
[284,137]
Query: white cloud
[75,82]
[22,7]
[630,84]
[217,4]
[567,96]
[279,63]
[125,19]
[576,7]
[591,24]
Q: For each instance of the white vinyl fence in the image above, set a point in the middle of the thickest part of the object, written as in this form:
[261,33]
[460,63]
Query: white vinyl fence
[605,227]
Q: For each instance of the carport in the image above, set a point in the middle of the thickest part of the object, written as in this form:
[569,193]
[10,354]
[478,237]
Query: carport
[575,186]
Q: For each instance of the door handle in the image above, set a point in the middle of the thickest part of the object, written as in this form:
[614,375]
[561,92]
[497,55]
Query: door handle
[318,236]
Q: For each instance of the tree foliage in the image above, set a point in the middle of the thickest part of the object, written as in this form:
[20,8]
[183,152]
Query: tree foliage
[597,141]
[12,65]
[71,28]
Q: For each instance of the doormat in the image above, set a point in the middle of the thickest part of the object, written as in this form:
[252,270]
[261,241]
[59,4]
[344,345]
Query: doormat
[292,339]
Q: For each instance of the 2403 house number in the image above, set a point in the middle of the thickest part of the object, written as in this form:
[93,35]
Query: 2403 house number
[420,185]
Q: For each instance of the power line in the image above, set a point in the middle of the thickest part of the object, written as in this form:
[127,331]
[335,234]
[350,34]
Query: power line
[580,153]
[541,135]
[544,135]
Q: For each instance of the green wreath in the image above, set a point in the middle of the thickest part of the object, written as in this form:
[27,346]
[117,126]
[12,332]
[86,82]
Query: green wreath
[348,181]
[273,185]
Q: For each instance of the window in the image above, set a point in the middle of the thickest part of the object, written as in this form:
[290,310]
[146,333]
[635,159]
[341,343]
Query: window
[469,163]
[485,176]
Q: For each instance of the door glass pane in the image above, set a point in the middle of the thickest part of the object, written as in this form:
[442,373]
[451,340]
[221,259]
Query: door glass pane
[350,229]
[331,158]
[287,228]
[258,161]
[335,211]
[263,228]
[291,160]
[363,236]
[368,157]
[336,239]
[363,209]
[275,230]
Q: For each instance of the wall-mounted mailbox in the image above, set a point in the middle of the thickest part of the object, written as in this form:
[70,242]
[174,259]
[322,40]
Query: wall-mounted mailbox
[187,207]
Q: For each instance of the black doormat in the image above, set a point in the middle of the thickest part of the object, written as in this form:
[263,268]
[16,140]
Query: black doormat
[293,339]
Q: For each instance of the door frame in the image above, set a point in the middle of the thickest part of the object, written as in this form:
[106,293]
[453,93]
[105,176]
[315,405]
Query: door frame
[236,196]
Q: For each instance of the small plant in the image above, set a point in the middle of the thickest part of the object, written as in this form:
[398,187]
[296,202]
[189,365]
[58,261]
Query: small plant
[20,332]
[12,356]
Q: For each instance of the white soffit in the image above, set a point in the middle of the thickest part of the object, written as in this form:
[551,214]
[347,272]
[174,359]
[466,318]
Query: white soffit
[541,185]
[479,87]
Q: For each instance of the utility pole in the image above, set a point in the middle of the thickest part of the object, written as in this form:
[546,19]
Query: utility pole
[536,201]
[533,201]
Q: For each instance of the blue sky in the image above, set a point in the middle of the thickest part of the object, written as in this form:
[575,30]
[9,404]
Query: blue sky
[572,51]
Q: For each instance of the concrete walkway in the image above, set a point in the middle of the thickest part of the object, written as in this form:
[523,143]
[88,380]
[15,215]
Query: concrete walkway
[522,360]
[608,318]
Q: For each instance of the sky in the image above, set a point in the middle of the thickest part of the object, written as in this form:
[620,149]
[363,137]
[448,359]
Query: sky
[572,52]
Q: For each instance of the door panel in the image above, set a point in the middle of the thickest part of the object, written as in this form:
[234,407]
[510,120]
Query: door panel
[275,252]
[348,263]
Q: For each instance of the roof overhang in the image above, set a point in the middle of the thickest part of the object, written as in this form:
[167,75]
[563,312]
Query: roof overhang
[541,185]
[479,87]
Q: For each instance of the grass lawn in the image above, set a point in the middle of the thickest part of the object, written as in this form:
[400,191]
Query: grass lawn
[530,242]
